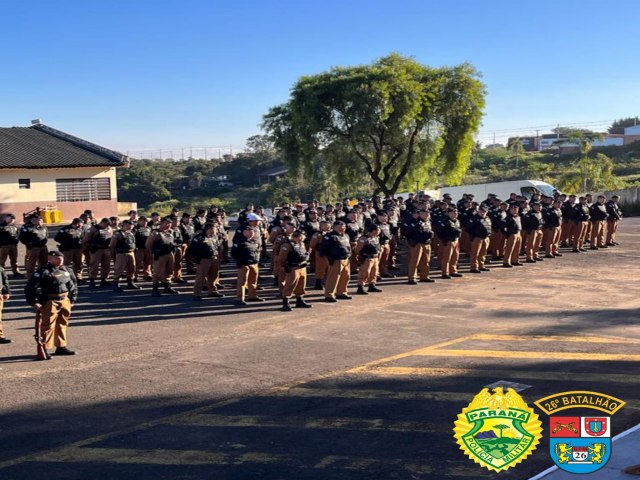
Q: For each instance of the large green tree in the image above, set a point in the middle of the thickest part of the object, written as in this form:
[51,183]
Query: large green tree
[390,121]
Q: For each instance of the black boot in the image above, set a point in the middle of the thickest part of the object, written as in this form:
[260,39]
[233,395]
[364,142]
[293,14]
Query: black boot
[117,287]
[373,288]
[318,285]
[361,290]
[300,303]
[104,282]
[285,305]
[169,289]
[155,292]
[131,285]
[92,283]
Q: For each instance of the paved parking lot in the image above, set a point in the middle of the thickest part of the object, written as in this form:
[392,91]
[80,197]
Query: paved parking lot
[369,388]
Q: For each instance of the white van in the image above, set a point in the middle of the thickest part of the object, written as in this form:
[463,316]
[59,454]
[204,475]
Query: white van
[480,191]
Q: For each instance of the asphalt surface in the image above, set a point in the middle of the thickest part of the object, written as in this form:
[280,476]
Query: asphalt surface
[369,388]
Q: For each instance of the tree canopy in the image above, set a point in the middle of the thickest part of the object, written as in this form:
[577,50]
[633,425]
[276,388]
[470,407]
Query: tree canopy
[619,125]
[392,121]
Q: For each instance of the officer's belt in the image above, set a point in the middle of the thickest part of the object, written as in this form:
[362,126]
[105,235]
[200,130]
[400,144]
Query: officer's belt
[58,296]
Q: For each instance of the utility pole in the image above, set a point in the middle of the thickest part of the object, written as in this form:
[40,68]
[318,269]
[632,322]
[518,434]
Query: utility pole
[494,138]
[205,153]
[538,139]
[190,152]
[183,154]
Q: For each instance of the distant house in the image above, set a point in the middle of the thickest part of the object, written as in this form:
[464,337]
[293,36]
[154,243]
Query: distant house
[41,166]
[631,134]
[272,174]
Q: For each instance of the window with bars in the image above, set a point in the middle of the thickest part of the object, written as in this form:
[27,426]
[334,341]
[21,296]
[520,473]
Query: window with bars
[83,189]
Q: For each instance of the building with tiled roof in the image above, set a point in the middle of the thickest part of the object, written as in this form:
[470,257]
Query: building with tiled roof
[44,167]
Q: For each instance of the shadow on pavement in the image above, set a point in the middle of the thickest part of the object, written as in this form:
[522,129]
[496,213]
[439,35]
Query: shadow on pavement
[352,426]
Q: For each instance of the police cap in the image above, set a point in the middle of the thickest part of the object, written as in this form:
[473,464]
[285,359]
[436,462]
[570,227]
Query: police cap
[55,253]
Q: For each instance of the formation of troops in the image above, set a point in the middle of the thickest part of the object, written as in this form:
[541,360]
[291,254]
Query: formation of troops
[332,242]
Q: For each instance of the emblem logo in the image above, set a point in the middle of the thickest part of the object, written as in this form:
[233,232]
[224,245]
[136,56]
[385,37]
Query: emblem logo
[580,444]
[498,430]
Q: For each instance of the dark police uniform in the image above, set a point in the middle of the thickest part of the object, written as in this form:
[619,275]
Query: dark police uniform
[56,290]
[480,230]
[615,215]
[552,229]
[162,246]
[512,229]
[35,239]
[5,289]
[9,234]
[124,246]
[205,251]
[337,249]
[246,253]
[419,236]
[143,254]
[599,215]
[295,259]
[449,232]
[70,241]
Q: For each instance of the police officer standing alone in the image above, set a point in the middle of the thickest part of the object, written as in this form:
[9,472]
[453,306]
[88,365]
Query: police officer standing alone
[52,290]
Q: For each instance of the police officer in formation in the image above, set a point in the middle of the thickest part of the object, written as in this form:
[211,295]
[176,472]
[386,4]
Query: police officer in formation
[333,242]
[33,235]
[9,238]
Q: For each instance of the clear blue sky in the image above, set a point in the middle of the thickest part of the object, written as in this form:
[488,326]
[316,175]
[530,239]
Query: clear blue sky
[174,73]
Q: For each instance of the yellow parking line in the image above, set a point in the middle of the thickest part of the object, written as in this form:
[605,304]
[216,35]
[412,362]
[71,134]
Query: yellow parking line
[419,351]
[555,338]
[621,357]
[502,374]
